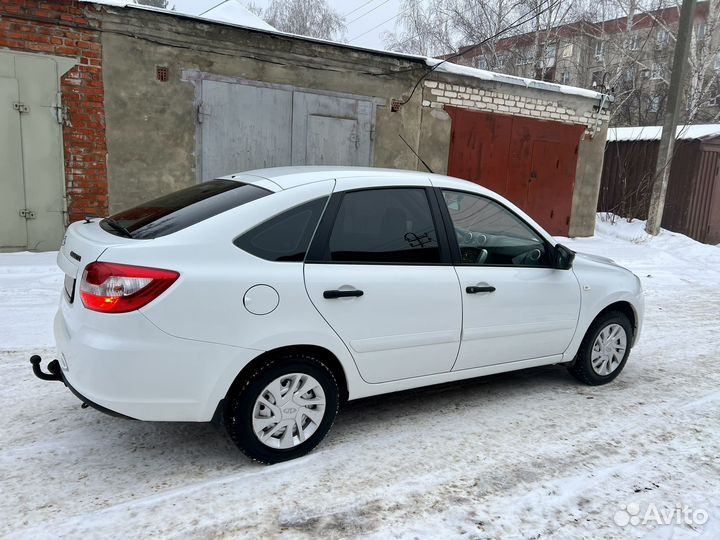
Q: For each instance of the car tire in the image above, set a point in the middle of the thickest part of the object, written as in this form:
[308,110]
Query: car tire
[598,360]
[271,421]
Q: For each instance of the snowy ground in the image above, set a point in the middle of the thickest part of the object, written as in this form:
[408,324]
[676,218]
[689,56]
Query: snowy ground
[524,455]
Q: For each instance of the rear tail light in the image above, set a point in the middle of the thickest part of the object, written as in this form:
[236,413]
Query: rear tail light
[119,288]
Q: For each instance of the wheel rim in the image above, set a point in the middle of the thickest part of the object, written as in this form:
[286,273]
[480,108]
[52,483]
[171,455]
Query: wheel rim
[288,411]
[608,349]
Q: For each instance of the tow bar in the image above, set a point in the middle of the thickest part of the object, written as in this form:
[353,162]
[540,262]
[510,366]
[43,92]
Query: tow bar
[54,373]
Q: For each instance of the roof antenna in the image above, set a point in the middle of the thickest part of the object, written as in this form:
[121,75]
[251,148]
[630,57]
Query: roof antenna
[416,154]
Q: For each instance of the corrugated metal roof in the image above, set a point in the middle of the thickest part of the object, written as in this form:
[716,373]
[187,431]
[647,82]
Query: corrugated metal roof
[652,133]
[444,67]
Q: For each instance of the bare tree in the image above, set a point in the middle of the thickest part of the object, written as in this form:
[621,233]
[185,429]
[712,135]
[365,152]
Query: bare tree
[437,27]
[314,18]
[422,28]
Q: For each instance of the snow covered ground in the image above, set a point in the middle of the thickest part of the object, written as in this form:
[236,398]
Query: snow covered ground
[524,455]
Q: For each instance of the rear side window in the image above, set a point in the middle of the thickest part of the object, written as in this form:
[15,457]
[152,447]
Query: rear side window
[286,237]
[176,211]
[390,226]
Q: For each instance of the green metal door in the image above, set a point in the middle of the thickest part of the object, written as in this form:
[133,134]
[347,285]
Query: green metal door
[32,192]
[13,232]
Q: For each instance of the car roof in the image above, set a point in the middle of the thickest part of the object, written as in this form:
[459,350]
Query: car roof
[290,177]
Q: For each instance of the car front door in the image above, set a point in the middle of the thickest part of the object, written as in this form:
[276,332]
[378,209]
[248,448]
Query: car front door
[516,306]
[379,272]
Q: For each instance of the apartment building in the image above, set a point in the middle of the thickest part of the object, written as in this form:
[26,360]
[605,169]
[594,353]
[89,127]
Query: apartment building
[630,58]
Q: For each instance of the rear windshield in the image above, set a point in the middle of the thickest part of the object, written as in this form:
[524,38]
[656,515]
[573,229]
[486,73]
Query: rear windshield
[173,212]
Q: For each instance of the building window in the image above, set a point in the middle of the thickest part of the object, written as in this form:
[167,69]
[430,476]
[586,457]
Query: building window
[525,57]
[662,38]
[599,49]
[632,43]
[565,77]
[501,60]
[658,71]
[629,74]
[700,31]
[717,62]
[654,104]
[597,78]
[481,62]
[549,55]
[567,51]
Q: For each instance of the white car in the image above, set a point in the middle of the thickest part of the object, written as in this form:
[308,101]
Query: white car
[265,299]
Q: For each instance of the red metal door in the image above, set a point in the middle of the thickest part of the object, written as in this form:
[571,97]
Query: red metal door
[531,162]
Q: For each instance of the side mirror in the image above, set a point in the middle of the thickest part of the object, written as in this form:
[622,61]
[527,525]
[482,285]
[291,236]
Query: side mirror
[563,257]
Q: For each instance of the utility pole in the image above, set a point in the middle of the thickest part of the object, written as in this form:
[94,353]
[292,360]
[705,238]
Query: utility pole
[672,110]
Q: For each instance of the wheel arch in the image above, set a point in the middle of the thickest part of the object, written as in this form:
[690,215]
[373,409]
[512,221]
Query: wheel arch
[624,307]
[316,351]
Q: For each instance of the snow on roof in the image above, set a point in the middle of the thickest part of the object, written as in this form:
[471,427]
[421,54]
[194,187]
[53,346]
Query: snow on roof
[652,133]
[232,13]
[457,69]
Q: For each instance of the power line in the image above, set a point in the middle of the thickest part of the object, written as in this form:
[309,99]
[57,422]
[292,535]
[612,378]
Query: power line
[368,12]
[213,7]
[358,8]
[379,25]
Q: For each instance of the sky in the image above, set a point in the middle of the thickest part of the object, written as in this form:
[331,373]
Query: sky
[366,19]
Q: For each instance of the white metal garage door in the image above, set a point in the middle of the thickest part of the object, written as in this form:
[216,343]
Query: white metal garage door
[31,175]
[246,126]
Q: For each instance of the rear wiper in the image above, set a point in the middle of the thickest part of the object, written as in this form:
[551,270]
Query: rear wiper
[115,225]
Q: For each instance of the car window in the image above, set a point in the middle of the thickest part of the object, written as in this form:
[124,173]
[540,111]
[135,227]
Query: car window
[390,226]
[286,236]
[490,234]
[180,209]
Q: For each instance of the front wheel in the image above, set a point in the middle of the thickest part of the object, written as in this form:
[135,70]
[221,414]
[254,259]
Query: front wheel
[604,349]
[284,409]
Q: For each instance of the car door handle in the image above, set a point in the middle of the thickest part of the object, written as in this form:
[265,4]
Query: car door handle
[474,289]
[342,294]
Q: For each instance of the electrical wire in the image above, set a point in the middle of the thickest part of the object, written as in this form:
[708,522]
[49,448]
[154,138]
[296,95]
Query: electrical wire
[368,12]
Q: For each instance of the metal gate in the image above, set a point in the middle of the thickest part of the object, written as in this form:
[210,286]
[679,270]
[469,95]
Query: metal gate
[531,162]
[246,125]
[32,187]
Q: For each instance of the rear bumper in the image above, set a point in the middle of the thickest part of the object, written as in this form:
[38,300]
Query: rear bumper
[122,364]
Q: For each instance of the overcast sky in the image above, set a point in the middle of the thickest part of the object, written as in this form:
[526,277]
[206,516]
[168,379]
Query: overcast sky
[362,16]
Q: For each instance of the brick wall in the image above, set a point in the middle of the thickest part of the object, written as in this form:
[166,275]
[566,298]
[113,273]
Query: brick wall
[60,28]
[438,94]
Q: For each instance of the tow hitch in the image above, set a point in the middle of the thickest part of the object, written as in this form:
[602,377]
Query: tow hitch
[54,373]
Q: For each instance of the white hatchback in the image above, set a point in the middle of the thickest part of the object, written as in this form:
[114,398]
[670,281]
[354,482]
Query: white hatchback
[265,299]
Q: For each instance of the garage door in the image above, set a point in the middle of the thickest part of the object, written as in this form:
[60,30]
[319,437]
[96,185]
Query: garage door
[531,162]
[31,174]
[246,126]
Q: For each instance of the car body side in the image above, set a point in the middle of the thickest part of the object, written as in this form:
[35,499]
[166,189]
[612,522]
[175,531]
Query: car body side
[200,332]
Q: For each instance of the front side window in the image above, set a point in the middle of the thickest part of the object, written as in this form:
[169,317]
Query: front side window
[489,234]
[285,237]
[385,226]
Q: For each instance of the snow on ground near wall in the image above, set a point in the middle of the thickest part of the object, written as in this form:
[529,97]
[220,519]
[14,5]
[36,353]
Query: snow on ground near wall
[522,455]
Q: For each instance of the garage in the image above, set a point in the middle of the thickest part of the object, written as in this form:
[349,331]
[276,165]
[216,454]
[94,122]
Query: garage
[529,161]
[249,125]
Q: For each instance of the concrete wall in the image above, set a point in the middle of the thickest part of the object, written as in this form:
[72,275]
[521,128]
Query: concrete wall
[152,125]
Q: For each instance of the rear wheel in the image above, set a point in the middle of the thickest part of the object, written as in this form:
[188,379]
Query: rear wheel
[604,349]
[284,409]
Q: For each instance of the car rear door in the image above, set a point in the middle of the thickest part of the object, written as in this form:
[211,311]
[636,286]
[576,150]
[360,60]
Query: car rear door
[516,305]
[379,272]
